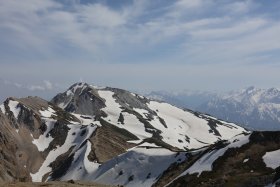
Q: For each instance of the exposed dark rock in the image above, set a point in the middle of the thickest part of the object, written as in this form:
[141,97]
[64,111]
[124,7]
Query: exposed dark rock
[84,100]
[130,178]
[162,122]
[121,118]
[61,164]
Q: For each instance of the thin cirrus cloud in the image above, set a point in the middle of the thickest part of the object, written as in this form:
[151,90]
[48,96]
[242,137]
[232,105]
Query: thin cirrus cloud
[11,88]
[182,34]
[45,85]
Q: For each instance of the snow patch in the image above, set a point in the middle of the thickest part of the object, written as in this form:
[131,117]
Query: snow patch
[134,141]
[271,159]
[63,105]
[47,113]
[44,140]
[85,119]
[112,108]
[2,108]
[13,105]
[146,144]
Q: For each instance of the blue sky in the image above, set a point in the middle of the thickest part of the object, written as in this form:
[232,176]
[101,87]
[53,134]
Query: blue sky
[139,45]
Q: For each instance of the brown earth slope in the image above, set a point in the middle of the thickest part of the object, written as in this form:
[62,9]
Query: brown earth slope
[53,184]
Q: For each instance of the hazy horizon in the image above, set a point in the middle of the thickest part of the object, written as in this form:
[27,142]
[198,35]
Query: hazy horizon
[48,90]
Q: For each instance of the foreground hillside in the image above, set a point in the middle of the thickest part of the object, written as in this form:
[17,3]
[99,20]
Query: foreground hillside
[52,184]
[246,160]
[112,136]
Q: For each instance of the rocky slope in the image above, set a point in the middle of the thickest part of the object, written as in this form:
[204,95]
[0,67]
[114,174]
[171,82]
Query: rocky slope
[112,136]
[26,137]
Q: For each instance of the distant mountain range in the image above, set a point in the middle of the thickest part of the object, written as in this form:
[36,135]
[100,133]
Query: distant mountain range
[113,136]
[253,108]
[183,99]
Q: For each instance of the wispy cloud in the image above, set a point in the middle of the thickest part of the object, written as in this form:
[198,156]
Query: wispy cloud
[241,7]
[47,26]
[157,34]
[45,85]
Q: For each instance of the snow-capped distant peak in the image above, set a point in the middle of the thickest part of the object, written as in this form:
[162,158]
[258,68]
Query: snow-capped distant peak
[255,107]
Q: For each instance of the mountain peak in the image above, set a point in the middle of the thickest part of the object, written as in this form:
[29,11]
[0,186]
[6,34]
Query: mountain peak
[77,87]
[250,89]
[79,84]
[273,90]
[94,131]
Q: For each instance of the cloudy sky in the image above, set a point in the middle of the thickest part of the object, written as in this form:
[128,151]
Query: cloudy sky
[46,45]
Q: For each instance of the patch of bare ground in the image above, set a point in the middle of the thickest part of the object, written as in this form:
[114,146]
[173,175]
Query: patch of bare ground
[108,142]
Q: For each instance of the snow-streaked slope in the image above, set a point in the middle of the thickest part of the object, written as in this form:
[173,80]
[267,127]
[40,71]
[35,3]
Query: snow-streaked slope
[182,129]
[185,124]
[81,167]
[158,131]
[150,164]
[13,107]
[250,159]
[71,140]
[206,161]
[44,140]
[113,111]
[76,136]
[139,166]
[146,119]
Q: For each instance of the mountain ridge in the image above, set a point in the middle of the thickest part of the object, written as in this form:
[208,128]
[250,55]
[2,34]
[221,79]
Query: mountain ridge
[252,107]
[109,136]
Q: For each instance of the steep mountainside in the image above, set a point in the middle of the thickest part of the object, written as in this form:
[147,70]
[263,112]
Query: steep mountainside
[30,129]
[112,136]
[254,108]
